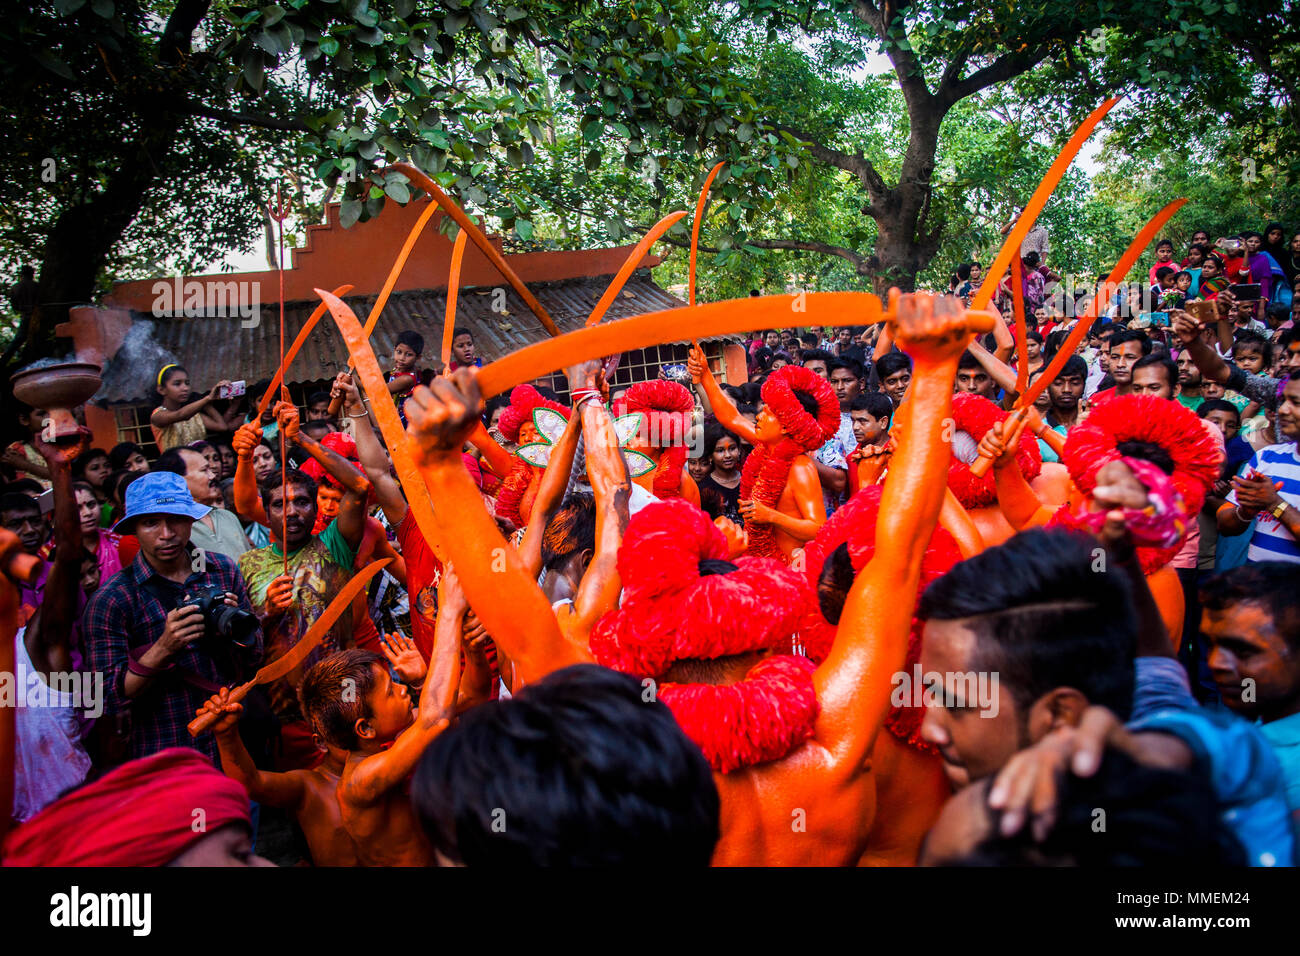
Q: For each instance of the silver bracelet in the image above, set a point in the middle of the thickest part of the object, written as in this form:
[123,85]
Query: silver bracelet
[1237,510]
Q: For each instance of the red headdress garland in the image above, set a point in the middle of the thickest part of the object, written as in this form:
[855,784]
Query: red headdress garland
[672,407]
[524,400]
[766,470]
[1176,429]
[340,444]
[671,612]
[975,415]
[855,523]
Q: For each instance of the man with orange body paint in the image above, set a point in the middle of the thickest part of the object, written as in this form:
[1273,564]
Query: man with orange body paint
[816,804]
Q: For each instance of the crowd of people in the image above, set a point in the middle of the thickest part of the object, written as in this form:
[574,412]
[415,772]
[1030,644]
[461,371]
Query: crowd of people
[614,624]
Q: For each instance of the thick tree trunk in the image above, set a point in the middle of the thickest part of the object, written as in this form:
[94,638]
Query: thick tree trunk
[904,242]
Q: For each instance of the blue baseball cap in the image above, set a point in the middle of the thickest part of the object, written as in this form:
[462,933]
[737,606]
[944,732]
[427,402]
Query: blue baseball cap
[158,493]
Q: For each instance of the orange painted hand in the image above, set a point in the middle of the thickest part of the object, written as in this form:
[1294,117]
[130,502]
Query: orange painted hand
[697,364]
[757,513]
[286,415]
[1000,452]
[245,439]
[279,593]
[229,711]
[407,661]
[441,417]
[737,537]
[61,453]
[933,328]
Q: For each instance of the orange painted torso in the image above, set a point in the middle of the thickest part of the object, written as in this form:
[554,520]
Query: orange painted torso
[911,789]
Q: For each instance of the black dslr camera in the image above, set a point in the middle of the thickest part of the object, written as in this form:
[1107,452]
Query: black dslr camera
[220,620]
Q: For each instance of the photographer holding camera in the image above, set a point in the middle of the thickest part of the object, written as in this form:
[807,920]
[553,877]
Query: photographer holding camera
[173,626]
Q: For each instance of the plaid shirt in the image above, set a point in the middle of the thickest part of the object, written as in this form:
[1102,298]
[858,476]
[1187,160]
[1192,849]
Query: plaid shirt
[122,615]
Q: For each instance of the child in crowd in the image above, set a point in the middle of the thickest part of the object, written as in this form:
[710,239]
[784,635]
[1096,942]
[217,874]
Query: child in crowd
[178,421]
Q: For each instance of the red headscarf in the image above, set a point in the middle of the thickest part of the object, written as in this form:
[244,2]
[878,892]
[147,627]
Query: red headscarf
[975,415]
[144,813]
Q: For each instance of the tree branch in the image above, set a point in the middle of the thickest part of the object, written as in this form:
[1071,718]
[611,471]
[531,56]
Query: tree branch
[865,265]
[999,71]
[178,34]
[854,163]
[911,78]
[243,119]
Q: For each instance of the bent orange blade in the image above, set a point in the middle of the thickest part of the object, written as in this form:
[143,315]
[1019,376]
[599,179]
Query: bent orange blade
[453,290]
[385,411]
[674,325]
[1036,203]
[289,356]
[480,240]
[373,318]
[306,644]
[630,263]
[1100,300]
[695,227]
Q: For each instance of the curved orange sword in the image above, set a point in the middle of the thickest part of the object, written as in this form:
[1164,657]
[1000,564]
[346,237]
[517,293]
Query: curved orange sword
[671,325]
[630,263]
[1036,202]
[385,412]
[695,228]
[479,239]
[373,318]
[289,356]
[453,289]
[1053,368]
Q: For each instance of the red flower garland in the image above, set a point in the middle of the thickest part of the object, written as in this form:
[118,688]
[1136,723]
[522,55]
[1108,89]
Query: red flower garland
[510,493]
[761,718]
[975,415]
[672,612]
[524,399]
[1176,429]
[766,470]
[855,523]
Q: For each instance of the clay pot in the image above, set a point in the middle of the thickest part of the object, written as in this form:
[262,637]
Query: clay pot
[58,389]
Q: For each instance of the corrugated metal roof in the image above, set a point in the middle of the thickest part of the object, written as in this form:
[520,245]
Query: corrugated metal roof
[216,348]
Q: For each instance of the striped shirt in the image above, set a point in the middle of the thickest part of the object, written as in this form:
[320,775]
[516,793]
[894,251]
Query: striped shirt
[1271,540]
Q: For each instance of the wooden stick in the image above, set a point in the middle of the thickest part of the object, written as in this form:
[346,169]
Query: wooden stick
[629,265]
[695,228]
[453,289]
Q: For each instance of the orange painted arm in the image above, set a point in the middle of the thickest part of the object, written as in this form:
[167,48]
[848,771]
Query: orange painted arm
[550,492]
[1016,499]
[384,549]
[599,590]
[499,459]
[954,519]
[854,682]
[488,568]
[807,492]
[248,501]
[724,409]
[884,342]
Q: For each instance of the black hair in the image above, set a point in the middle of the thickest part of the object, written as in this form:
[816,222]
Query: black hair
[891,363]
[1044,617]
[1120,336]
[1165,242]
[85,458]
[580,769]
[714,433]
[1164,271]
[493,403]
[1254,341]
[1162,360]
[17,501]
[875,404]
[1153,817]
[171,460]
[166,373]
[24,486]
[1031,259]
[1035,335]
[1218,405]
[853,365]
[1074,365]
[315,398]
[963,271]
[460,330]
[571,530]
[290,476]
[809,339]
[968,360]
[121,452]
[818,355]
[1182,272]
[1271,585]
[412,340]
